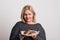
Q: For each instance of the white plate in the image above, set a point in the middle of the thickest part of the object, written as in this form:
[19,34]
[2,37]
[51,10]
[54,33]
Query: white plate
[22,32]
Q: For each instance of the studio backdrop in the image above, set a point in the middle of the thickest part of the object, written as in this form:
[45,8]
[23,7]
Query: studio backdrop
[47,14]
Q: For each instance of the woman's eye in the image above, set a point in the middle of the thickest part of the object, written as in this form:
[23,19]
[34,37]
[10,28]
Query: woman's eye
[25,14]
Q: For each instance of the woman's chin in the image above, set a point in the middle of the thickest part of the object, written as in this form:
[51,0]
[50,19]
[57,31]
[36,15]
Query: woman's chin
[28,20]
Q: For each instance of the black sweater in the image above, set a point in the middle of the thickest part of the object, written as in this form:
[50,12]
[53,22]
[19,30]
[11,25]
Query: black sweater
[20,26]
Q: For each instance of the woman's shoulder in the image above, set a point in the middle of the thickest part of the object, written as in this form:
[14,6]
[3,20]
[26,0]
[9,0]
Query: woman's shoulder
[19,22]
[38,24]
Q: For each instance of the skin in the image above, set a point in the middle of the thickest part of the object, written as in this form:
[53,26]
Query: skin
[28,16]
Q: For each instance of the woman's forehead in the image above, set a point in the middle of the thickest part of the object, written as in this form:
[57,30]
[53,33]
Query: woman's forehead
[28,11]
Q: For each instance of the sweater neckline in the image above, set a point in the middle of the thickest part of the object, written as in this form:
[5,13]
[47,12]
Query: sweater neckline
[31,24]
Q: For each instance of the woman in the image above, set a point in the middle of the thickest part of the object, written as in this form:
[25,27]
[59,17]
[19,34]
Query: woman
[27,26]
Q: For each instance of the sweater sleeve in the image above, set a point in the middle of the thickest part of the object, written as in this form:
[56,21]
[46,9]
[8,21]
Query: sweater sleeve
[41,35]
[15,32]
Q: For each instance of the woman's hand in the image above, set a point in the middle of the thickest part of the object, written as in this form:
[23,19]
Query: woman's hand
[21,37]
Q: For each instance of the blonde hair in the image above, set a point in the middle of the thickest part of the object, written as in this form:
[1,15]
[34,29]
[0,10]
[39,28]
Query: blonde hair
[27,7]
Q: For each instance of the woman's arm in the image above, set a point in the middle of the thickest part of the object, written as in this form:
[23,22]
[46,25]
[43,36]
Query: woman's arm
[41,35]
[15,32]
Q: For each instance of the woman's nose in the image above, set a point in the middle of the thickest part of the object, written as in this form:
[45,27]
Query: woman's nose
[27,15]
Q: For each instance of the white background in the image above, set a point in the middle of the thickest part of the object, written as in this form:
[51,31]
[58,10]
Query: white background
[47,13]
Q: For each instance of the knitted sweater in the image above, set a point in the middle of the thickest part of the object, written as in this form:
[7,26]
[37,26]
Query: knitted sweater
[20,26]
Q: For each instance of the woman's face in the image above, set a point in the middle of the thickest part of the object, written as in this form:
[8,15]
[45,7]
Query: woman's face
[28,16]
